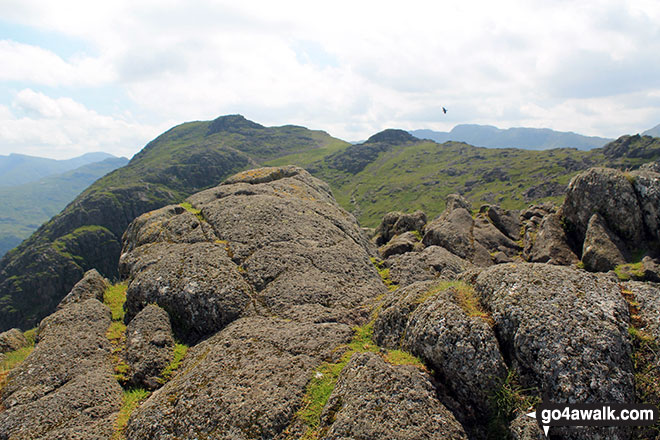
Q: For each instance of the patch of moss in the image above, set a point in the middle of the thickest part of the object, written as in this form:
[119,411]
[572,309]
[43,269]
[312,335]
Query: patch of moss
[400,357]
[384,273]
[114,297]
[180,351]
[630,271]
[196,212]
[131,400]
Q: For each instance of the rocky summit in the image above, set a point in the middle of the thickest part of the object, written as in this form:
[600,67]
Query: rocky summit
[259,309]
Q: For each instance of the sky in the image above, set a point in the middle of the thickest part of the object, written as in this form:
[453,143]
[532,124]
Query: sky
[81,76]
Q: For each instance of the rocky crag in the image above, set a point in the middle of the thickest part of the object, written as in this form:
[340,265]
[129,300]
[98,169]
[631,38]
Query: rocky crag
[300,327]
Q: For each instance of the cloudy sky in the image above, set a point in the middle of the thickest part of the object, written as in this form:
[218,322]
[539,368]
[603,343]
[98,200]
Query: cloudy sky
[81,76]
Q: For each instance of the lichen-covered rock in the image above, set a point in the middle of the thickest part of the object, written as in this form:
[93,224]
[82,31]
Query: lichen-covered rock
[647,186]
[647,295]
[400,244]
[427,319]
[245,382]
[602,250]
[149,346]
[396,223]
[487,235]
[92,285]
[171,224]
[564,330]
[454,230]
[609,193]
[431,263]
[197,284]
[507,221]
[12,340]
[547,242]
[66,385]
[369,397]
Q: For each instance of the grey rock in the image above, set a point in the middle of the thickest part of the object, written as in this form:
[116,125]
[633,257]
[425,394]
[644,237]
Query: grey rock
[431,263]
[526,428]
[400,244]
[170,224]
[547,243]
[149,346]
[454,231]
[507,221]
[197,284]
[247,381]
[427,320]
[66,384]
[396,223]
[602,250]
[609,193]
[455,201]
[12,340]
[647,187]
[92,285]
[564,330]
[491,238]
[648,297]
[651,269]
[368,400]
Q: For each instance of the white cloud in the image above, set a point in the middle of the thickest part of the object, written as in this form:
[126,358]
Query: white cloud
[353,68]
[40,125]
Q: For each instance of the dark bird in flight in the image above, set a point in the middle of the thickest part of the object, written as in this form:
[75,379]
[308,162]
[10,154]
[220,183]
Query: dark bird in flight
[444,110]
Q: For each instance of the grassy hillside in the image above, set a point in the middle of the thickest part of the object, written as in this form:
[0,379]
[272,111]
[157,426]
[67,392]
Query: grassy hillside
[27,206]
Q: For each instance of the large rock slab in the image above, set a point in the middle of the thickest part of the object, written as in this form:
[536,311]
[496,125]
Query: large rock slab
[431,263]
[245,382]
[92,285]
[149,346]
[611,194]
[66,386]
[564,330]
[602,250]
[368,400]
[546,242]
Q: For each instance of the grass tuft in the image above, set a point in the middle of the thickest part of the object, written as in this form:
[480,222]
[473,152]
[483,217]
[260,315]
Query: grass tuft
[115,297]
[196,212]
[180,351]
[507,401]
[131,400]
[384,273]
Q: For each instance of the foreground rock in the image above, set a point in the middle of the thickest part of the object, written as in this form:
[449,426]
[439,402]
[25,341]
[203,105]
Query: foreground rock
[92,285]
[368,400]
[65,388]
[12,340]
[565,331]
[431,263]
[149,346]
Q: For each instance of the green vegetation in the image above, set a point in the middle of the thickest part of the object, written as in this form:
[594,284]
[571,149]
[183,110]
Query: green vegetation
[630,271]
[384,273]
[509,400]
[464,295]
[180,351]
[400,357]
[12,358]
[196,212]
[131,400]
[114,297]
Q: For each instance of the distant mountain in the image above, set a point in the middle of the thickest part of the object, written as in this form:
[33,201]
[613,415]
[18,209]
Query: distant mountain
[517,137]
[26,206]
[655,131]
[17,169]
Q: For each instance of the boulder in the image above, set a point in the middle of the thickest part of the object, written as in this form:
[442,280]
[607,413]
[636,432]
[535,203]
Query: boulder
[367,401]
[434,322]
[507,221]
[149,347]
[92,285]
[66,386]
[602,250]
[431,263]
[453,230]
[247,381]
[400,244]
[564,330]
[198,285]
[647,188]
[491,238]
[396,223]
[455,201]
[12,340]
[607,192]
[526,428]
[547,242]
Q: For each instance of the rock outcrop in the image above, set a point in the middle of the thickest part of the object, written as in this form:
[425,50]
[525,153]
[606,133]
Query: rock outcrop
[12,340]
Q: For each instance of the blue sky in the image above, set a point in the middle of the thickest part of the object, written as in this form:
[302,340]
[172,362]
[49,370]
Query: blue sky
[87,76]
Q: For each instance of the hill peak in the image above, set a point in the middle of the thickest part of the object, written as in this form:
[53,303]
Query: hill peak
[391,136]
[232,123]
